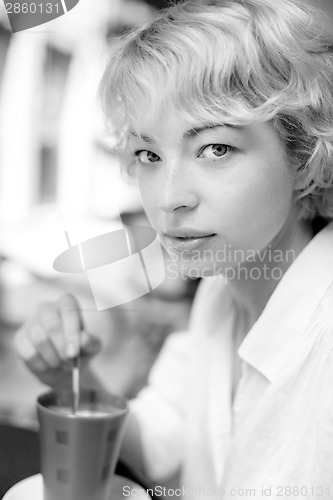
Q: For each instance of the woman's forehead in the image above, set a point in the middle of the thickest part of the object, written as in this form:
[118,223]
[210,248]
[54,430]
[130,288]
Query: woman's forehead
[145,125]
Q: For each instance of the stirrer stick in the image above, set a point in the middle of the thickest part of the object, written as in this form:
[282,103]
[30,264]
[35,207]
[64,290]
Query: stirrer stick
[76,358]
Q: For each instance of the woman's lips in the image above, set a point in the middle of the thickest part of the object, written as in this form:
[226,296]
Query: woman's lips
[188,243]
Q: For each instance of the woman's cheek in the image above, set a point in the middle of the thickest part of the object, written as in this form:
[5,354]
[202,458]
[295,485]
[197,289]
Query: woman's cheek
[149,201]
[258,213]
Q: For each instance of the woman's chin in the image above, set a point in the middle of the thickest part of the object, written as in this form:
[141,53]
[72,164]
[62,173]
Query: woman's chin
[201,271]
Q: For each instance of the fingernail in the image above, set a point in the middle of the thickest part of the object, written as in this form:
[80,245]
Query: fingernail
[71,350]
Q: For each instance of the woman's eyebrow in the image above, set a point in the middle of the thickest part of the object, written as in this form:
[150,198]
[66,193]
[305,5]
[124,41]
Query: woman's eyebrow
[189,134]
[209,126]
[144,138]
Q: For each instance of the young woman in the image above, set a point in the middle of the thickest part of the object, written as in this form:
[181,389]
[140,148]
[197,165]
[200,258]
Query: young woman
[223,110]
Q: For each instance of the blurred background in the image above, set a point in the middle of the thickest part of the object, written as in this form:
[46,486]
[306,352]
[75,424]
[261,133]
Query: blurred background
[55,159]
[57,173]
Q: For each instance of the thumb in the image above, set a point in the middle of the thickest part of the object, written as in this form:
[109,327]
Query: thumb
[90,345]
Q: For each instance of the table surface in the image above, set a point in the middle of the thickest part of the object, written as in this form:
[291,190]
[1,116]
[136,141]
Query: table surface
[32,488]
[19,458]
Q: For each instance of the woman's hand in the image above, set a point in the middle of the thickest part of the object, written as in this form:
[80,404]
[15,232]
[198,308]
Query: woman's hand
[49,342]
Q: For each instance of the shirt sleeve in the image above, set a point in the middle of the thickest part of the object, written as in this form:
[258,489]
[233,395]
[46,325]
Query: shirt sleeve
[159,408]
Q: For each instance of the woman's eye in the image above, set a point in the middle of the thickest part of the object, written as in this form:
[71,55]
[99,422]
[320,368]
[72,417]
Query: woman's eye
[214,151]
[147,157]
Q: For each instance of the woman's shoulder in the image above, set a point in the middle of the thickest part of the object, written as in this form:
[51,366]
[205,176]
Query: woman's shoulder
[324,312]
[321,330]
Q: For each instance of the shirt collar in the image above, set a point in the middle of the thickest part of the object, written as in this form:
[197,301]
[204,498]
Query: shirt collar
[290,308]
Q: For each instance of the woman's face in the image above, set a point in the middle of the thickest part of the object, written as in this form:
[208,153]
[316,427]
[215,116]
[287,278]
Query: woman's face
[214,193]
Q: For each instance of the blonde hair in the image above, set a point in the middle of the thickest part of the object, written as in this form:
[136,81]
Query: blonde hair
[238,62]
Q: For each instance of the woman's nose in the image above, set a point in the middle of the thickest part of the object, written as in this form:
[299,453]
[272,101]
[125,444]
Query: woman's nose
[178,190]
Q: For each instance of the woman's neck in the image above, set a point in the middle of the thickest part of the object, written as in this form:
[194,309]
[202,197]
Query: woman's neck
[270,265]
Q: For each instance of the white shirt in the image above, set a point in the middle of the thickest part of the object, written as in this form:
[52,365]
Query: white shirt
[277,433]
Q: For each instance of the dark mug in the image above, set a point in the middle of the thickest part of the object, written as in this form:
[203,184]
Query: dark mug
[79,451]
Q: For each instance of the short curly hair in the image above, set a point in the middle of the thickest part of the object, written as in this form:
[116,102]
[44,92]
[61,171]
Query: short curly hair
[240,62]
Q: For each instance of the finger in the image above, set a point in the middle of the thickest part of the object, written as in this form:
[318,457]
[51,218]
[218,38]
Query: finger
[72,323]
[49,316]
[45,348]
[90,344]
[50,319]
[28,353]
